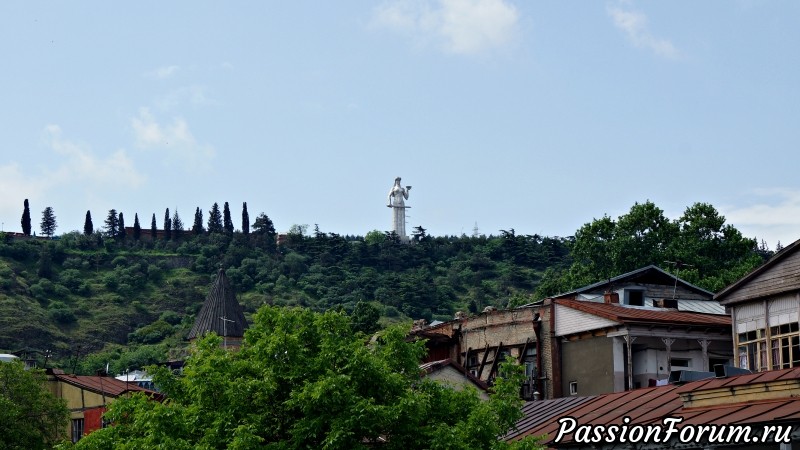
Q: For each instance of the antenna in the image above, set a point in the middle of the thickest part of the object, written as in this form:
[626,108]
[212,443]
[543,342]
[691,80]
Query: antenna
[225,321]
[678,264]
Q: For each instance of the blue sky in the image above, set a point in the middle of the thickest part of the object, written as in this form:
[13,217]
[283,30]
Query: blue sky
[537,116]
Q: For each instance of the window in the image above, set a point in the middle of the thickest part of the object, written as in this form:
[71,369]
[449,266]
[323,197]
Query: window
[635,298]
[785,346]
[573,388]
[680,363]
[77,429]
[753,350]
[530,362]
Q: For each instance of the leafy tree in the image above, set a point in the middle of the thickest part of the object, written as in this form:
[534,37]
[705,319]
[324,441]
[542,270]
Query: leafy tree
[153,228]
[112,224]
[121,223]
[167,225]
[365,318]
[177,225]
[26,219]
[226,219]
[137,229]
[264,231]
[214,219]
[245,220]
[48,224]
[30,416]
[44,267]
[197,227]
[88,226]
[307,380]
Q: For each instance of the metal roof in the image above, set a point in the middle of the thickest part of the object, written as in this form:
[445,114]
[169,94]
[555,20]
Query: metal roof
[651,405]
[103,385]
[220,304]
[633,275]
[701,306]
[618,313]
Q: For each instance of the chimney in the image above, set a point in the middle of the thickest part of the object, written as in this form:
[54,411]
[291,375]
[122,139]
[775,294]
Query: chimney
[611,297]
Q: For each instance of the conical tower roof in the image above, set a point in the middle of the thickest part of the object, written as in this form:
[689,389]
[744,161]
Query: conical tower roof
[220,304]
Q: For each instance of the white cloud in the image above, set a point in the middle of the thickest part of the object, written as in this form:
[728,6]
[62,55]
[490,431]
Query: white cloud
[194,95]
[80,164]
[162,73]
[634,24]
[457,26]
[774,217]
[16,186]
[175,140]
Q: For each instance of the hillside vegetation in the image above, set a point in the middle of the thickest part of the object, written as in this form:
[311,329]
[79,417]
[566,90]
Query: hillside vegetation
[96,299]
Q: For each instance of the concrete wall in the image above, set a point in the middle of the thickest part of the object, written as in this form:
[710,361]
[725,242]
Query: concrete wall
[590,363]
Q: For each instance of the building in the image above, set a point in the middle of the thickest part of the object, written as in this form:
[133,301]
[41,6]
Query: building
[760,401]
[88,397]
[623,333]
[453,375]
[765,309]
[221,314]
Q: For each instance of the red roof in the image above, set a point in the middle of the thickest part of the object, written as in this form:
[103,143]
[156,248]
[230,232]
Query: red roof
[100,384]
[652,405]
[624,314]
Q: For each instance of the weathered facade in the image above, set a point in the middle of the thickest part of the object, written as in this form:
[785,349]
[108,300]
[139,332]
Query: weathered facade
[626,332]
[88,397]
[765,310]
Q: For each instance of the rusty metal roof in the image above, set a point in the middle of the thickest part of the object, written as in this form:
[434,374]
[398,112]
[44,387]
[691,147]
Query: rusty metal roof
[651,405]
[100,384]
[624,314]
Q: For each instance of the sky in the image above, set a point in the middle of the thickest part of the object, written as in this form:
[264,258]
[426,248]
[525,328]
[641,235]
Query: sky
[536,116]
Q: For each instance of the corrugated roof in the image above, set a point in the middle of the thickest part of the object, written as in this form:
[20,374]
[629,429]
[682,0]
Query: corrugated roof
[102,385]
[651,405]
[220,303]
[701,306]
[624,314]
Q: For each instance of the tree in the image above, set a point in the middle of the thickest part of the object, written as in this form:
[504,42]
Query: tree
[88,226]
[197,227]
[365,318]
[137,229]
[214,219]
[245,220]
[48,224]
[177,224]
[30,416]
[121,223]
[153,229]
[318,384]
[26,218]
[112,224]
[264,231]
[226,220]
[167,225]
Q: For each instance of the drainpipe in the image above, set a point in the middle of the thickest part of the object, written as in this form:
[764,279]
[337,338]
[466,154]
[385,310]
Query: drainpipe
[537,332]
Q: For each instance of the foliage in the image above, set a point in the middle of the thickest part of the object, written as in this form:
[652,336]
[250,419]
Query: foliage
[245,220]
[153,228]
[197,226]
[112,224]
[307,380]
[167,225]
[226,220]
[48,224]
[121,223]
[30,416]
[365,318]
[26,218]
[177,225]
[137,229]
[214,219]
[88,226]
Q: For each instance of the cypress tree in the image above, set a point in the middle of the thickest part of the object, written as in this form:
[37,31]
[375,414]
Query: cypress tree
[112,223]
[121,227]
[48,224]
[153,229]
[215,219]
[228,223]
[197,227]
[177,225]
[88,226]
[26,219]
[167,225]
[245,220]
[137,229]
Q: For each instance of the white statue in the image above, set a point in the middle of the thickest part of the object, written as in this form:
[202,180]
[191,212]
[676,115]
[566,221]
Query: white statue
[396,200]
